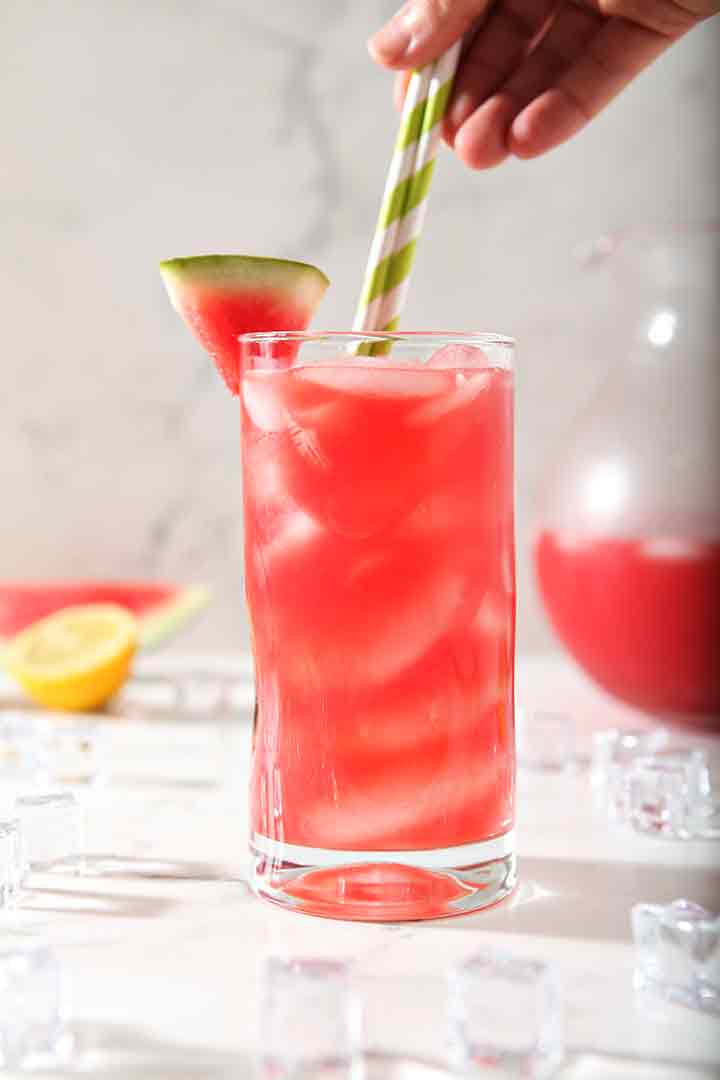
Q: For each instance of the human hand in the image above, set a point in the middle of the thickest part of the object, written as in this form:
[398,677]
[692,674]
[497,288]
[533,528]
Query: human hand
[533,72]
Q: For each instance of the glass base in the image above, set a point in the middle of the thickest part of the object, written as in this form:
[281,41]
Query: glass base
[384,886]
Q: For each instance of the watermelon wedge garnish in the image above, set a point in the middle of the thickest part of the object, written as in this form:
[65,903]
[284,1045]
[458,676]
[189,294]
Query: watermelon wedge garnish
[223,296]
[161,609]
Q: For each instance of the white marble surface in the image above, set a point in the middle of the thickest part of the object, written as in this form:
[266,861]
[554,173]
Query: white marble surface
[135,131]
[166,955]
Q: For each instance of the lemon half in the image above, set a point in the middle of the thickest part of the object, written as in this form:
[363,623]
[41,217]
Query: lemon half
[76,658]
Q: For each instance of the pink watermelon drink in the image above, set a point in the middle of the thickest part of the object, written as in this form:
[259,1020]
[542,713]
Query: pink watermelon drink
[380,582]
[641,614]
[378,495]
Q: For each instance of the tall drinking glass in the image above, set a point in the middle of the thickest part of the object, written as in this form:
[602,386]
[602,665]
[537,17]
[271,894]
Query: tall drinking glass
[379,573]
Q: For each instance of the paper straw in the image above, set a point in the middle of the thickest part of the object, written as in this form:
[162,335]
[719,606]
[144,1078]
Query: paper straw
[398,177]
[405,198]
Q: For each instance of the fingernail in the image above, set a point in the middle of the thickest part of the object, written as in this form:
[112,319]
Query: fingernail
[520,130]
[395,38]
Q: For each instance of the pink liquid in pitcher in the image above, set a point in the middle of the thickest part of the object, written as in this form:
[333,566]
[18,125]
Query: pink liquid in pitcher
[380,579]
[641,615]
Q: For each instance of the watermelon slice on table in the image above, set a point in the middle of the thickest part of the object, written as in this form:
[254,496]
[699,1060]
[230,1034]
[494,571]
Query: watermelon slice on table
[161,609]
[222,296]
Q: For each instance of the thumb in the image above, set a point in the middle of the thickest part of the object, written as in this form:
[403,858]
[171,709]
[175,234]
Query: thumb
[422,30]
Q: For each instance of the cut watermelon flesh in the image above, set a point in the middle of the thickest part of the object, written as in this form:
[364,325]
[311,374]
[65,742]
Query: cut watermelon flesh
[161,609]
[222,296]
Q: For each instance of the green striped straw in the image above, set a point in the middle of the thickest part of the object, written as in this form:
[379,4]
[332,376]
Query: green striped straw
[402,212]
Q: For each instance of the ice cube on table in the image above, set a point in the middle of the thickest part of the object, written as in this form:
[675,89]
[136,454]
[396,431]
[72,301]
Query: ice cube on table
[614,746]
[34,1008]
[75,751]
[36,751]
[703,816]
[311,1019]
[202,698]
[51,829]
[23,754]
[508,1012]
[660,793]
[10,862]
[545,740]
[677,953]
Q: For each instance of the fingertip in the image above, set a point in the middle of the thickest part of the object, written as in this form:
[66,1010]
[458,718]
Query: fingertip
[545,123]
[477,154]
[525,151]
[461,109]
[390,45]
[481,142]
[376,53]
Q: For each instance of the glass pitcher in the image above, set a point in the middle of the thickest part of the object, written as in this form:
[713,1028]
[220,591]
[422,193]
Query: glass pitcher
[627,539]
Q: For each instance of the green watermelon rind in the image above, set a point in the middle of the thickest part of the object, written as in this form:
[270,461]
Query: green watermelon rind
[172,616]
[241,272]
